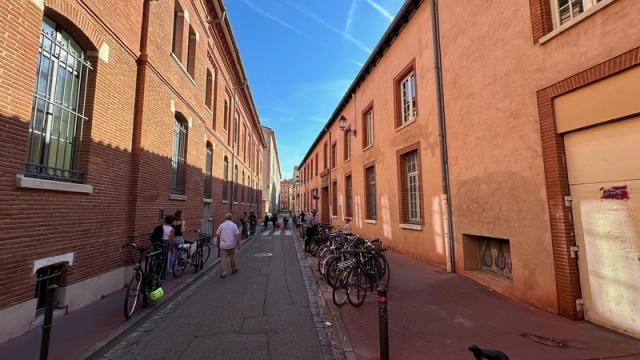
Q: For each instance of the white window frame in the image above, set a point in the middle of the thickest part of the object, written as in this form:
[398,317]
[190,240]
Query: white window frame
[555,6]
[408,93]
[412,175]
[368,124]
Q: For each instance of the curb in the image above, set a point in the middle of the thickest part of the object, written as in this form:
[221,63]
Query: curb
[96,350]
[327,304]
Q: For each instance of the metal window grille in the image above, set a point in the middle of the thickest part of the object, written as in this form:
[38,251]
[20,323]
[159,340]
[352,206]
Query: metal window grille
[348,195]
[369,128]
[178,157]
[207,172]
[412,187]
[58,107]
[371,192]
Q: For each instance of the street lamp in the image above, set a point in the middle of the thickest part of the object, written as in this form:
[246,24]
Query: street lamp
[342,122]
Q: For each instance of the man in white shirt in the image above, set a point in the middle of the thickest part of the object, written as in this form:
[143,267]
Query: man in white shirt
[228,241]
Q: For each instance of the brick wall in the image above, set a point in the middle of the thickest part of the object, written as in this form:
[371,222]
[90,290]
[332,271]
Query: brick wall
[41,223]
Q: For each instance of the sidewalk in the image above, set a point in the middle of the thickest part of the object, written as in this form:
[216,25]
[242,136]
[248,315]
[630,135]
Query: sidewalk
[77,334]
[437,315]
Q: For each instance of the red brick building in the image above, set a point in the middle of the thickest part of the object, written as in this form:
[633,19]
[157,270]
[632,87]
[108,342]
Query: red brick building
[285,186]
[113,113]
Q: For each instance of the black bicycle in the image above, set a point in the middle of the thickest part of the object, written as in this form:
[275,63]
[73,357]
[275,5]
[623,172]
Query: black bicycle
[145,279]
[184,258]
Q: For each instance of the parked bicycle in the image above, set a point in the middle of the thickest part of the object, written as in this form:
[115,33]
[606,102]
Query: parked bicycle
[184,258]
[145,280]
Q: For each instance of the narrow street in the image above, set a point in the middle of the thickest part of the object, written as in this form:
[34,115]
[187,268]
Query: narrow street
[261,312]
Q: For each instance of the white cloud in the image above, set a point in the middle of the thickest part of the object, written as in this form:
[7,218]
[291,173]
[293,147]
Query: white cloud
[349,22]
[271,17]
[313,16]
[379,8]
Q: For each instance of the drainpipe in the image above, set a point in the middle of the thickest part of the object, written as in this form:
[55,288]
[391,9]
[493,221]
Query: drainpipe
[136,138]
[442,135]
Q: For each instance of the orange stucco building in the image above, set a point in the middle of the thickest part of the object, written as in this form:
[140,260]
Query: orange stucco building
[498,142]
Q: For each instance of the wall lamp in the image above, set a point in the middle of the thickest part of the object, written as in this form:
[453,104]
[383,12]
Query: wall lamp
[343,126]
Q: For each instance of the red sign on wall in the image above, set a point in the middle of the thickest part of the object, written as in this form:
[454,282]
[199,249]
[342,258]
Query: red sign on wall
[614,193]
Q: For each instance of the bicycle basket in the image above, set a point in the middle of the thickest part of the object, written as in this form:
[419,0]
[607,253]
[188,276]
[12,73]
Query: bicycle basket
[156,294]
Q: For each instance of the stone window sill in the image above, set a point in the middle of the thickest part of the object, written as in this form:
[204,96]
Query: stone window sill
[369,221]
[371,145]
[51,185]
[177,197]
[408,123]
[184,70]
[412,227]
[564,27]
[207,201]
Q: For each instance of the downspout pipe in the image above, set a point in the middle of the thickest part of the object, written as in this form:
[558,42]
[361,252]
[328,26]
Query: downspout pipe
[442,135]
[138,116]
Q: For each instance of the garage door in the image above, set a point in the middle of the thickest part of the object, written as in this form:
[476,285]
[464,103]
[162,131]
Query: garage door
[604,176]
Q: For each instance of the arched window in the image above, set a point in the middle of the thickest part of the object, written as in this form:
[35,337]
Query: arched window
[208,90]
[235,184]
[243,188]
[225,183]
[179,155]
[58,106]
[208,163]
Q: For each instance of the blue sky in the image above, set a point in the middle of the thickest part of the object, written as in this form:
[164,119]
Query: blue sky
[300,57]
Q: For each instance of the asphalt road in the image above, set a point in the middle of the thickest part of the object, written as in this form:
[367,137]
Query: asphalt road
[261,312]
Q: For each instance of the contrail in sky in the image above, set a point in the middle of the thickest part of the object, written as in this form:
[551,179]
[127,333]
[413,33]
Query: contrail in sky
[380,9]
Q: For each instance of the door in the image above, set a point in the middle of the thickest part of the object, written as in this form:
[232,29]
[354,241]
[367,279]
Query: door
[604,178]
[206,225]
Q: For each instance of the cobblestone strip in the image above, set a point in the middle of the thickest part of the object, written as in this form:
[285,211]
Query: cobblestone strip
[339,341]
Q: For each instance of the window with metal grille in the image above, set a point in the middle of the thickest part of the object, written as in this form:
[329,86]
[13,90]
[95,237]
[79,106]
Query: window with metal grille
[236,130]
[58,107]
[208,164]
[567,10]
[225,183]
[408,98]
[348,208]
[334,198]
[243,188]
[178,158]
[370,192]
[410,188]
[317,164]
[368,128]
[326,156]
[225,120]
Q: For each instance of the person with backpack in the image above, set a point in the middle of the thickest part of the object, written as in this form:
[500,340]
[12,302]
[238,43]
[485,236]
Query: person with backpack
[274,221]
[253,220]
[163,238]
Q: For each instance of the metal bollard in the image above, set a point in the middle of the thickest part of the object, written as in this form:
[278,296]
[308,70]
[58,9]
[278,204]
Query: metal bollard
[383,324]
[46,324]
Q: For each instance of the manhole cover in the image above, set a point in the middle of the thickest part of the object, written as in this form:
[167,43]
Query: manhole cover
[263,254]
[543,340]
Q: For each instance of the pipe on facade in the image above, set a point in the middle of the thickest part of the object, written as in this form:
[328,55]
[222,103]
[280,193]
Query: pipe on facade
[442,135]
[136,137]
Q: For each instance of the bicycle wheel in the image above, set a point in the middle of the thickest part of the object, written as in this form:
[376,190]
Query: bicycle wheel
[382,270]
[331,271]
[357,288]
[339,293]
[180,263]
[132,295]
[206,252]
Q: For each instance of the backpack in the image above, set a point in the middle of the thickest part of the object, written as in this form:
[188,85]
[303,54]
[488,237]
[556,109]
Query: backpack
[156,235]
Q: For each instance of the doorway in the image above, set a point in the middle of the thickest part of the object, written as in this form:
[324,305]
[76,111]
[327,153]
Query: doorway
[604,180]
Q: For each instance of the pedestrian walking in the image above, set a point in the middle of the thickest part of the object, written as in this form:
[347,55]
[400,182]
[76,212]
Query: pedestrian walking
[274,221]
[265,224]
[346,229]
[168,241]
[179,227]
[253,220]
[228,242]
[301,223]
[285,221]
[310,227]
[244,222]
